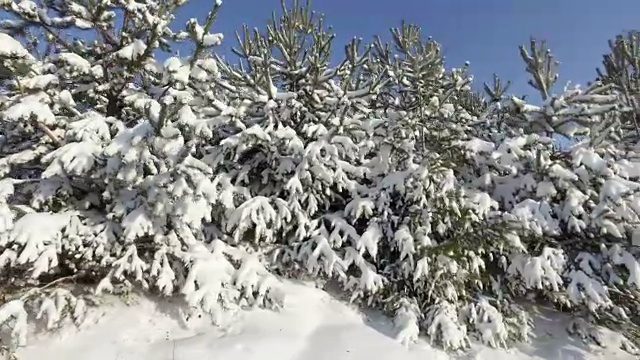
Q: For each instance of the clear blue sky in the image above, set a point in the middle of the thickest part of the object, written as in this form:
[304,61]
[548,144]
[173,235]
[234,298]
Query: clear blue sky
[484,32]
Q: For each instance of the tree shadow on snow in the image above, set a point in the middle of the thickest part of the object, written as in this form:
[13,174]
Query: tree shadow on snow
[373,318]
[550,340]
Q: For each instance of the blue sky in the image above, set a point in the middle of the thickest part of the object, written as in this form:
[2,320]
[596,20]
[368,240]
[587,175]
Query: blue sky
[484,32]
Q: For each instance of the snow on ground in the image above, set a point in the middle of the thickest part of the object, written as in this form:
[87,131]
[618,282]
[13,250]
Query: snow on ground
[312,326]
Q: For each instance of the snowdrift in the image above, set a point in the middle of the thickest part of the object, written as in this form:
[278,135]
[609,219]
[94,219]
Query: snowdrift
[312,326]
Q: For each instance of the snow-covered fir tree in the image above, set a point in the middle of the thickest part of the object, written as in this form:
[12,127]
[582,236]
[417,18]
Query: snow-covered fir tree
[103,177]
[124,167]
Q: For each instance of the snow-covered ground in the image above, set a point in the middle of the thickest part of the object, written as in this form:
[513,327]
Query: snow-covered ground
[312,326]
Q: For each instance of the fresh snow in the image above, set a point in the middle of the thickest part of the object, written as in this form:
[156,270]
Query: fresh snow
[311,326]
[30,106]
[133,50]
[212,39]
[194,176]
[12,47]
[75,62]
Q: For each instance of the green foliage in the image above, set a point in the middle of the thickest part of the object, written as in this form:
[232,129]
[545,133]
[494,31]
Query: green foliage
[383,171]
[621,67]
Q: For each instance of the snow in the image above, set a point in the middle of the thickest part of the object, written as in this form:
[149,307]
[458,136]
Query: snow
[76,62]
[207,39]
[15,310]
[212,39]
[39,82]
[312,326]
[133,50]
[178,70]
[12,47]
[28,107]
[38,233]
[219,168]
[73,158]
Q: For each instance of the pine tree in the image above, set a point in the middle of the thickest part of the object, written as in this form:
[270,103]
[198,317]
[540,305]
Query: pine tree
[621,67]
[572,207]
[385,172]
[103,177]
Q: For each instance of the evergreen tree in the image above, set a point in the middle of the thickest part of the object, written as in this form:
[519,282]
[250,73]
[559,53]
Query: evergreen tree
[383,172]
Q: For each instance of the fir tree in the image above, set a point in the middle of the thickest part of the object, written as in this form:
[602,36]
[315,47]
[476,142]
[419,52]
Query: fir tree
[384,172]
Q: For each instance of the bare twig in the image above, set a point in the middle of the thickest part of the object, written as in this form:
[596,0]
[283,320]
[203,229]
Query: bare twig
[50,134]
[33,291]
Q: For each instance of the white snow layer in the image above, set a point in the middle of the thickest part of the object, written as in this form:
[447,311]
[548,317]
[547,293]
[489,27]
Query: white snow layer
[12,48]
[311,326]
